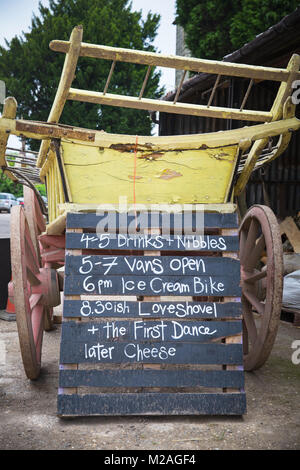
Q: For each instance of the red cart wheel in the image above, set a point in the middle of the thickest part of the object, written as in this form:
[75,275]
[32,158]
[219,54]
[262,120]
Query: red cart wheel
[35,218]
[33,288]
[37,226]
[261,283]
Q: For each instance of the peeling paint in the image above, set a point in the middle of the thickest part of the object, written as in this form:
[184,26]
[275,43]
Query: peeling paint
[151,156]
[221,156]
[130,147]
[168,174]
[137,177]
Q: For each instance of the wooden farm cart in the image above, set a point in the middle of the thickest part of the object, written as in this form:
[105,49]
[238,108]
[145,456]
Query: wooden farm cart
[156,218]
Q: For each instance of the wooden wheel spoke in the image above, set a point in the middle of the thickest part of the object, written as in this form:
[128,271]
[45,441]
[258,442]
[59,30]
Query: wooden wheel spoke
[48,318]
[245,338]
[253,300]
[30,254]
[31,263]
[34,300]
[256,276]
[243,237]
[254,256]
[39,218]
[33,280]
[249,322]
[250,240]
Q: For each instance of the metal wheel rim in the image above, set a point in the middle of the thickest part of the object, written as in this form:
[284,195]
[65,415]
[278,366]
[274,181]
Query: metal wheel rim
[37,226]
[29,312]
[259,231]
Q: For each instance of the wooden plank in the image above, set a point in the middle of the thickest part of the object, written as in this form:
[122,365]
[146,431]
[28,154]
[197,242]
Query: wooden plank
[137,242]
[290,229]
[145,331]
[177,62]
[149,104]
[111,265]
[153,285]
[132,309]
[41,131]
[222,208]
[151,378]
[152,404]
[154,353]
[127,220]
[209,140]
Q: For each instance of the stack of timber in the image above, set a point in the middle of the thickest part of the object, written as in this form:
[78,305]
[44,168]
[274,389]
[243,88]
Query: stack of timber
[290,231]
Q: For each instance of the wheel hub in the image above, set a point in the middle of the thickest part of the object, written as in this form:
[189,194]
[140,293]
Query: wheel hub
[257,288]
[47,286]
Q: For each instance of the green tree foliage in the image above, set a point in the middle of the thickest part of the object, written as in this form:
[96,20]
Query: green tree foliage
[8,186]
[42,189]
[215,28]
[31,70]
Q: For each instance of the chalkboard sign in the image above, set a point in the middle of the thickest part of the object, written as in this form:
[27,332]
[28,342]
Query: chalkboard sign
[105,241]
[174,349]
[130,222]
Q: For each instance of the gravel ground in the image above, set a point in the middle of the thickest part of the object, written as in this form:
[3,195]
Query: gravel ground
[29,420]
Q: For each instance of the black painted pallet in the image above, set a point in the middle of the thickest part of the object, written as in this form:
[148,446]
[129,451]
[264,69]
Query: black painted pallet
[152,356]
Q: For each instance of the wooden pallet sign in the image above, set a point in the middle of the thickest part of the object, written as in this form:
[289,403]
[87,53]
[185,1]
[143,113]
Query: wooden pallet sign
[151,323]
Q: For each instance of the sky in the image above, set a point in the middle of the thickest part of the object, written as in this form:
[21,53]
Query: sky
[15,18]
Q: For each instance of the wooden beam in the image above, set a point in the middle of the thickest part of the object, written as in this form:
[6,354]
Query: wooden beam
[41,131]
[167,106]
[176,62]
[66,80]
[290,229]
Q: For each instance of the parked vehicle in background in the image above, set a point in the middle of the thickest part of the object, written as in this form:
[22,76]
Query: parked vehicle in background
[7,201]
[20,201]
